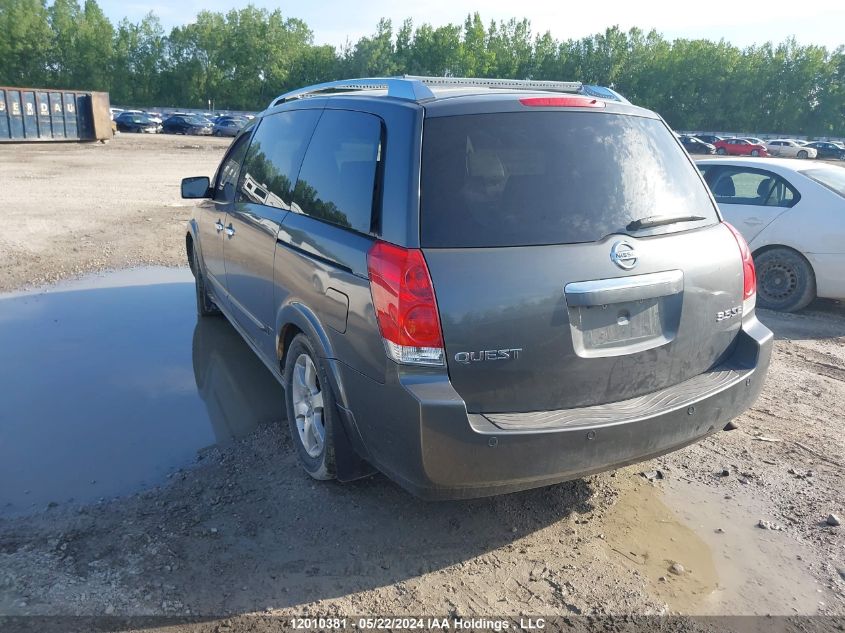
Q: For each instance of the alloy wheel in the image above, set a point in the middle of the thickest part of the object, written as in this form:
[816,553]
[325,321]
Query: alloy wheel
[307,400]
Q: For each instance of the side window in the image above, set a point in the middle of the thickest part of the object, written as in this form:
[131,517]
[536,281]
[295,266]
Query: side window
[782,195]
[230,168]
[274,156]
[338,175]
[753,187]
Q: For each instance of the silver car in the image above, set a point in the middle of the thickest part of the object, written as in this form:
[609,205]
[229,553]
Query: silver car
[228,126]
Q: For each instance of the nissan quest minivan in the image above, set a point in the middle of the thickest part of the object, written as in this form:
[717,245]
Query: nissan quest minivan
[478,286]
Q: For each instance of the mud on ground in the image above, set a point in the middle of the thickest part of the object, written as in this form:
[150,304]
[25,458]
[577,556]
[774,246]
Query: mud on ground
[246,531]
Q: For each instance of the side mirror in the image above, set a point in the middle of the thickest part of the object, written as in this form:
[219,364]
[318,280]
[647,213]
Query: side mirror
[196,187]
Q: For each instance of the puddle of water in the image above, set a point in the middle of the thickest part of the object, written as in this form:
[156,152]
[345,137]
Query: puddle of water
[742,570]
[647,536]
[110,382]
[760,571]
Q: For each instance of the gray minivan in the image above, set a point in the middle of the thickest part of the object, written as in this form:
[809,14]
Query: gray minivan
[477,286]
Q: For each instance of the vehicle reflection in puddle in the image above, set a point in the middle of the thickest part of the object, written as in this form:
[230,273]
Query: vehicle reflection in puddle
[109,383]
[728,564]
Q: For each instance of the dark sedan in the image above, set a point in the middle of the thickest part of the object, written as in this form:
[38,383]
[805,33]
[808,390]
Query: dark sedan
[129,122]
[695,145]
[826,149]
[709,138]
[182,124]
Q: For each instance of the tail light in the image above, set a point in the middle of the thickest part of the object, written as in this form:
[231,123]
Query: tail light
[405,306]
[749,274]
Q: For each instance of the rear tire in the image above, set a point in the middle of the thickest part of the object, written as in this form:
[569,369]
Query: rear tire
[802,154]
[785,280]
[205,305]
[755,152]
[721,151]
[311,409]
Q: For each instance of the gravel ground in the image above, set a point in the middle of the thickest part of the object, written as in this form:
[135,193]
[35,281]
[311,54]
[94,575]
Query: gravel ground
[736,525]
[73,208]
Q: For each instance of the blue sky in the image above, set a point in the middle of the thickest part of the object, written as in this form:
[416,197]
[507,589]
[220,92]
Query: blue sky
[742,22]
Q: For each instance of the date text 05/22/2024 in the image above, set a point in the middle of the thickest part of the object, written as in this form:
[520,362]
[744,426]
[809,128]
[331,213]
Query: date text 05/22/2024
[412,623]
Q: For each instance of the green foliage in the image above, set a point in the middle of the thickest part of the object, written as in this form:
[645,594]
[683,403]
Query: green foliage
[24,42]
[241,59]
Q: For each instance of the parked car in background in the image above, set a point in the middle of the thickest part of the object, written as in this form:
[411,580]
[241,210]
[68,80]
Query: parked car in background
[155,116]
[792,214]
[131,122]
[708,138]
[787,148]
[186,124]
[740,147]
[695,145]
[478,291]
[228,126]
[827,149]
[754,140]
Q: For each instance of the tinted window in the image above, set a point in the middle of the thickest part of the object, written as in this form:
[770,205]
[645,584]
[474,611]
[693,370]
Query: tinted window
[274,156]
[528,178]
[337,179]
[230,168]
[753,187]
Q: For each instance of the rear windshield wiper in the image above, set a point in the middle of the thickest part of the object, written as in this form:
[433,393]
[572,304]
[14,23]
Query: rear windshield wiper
[660,220]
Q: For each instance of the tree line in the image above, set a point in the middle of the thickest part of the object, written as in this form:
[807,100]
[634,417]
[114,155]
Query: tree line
[243,58]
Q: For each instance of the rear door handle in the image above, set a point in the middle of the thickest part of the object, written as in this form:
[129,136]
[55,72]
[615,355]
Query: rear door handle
[230,230]
[218,225]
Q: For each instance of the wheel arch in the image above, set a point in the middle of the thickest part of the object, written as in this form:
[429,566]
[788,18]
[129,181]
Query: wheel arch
[350,451]
[191,243]
[769,247]
[294,318]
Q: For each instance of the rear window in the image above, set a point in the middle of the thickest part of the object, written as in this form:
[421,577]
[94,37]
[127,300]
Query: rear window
[831,177]
[531,178]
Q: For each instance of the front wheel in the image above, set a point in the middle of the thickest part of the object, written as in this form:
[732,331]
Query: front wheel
[721,151]
[312,412]
[785,280]
[205,305]
[802,154]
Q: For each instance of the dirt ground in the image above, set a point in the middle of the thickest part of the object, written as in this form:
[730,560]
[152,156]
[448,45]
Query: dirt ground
[74,208]
[736,524]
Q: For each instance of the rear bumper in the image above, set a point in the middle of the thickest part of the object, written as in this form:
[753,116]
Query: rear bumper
[418,431]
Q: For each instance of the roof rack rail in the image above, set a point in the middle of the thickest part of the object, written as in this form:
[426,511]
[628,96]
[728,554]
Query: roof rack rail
[506,84]
[416,88]
[398,87]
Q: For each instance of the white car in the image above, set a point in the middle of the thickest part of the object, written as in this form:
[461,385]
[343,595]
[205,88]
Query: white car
[787,148]
[792,214]
[754,140]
